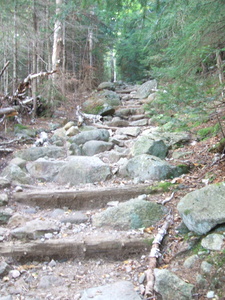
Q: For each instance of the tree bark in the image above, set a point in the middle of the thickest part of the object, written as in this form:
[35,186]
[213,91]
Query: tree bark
[154,255]
[57,41]
[35,45]
[220,66]
[4,68]
[15,47]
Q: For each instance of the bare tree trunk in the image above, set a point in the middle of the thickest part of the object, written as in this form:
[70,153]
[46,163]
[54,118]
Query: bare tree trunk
[220,66]
[64,57]
[15,47]
[57,41]
[35,44]
[48,45]
[90,43]
[112,66]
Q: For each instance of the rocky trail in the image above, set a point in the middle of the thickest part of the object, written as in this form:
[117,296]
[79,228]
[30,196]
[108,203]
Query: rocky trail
[79,211]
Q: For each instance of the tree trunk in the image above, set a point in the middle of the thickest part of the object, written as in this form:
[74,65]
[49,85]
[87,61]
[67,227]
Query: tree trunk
[57,41]
[64,57]
[90,50]
[220,66]
[15,47]
[35,45]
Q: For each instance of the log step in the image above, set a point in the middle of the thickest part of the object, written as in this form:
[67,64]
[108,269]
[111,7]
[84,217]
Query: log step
[83,248]
[82,199]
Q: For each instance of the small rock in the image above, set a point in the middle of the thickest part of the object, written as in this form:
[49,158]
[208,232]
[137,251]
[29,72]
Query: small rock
[142,278]
[48,281]
[206,267]
[48,236]
[68,125]
[18,189]
[213,241]
[4,183]
[5,215]
[3,199]
[77,217]
[52,263]
[201,281]
[4,268]
[14,274]
[72,131]
[190,261]
[130,131]
[168,285]
[210,295]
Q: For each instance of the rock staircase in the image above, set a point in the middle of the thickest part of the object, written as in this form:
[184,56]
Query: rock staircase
[66,255]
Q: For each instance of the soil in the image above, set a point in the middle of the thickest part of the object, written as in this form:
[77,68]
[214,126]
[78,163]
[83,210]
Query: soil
[65,278]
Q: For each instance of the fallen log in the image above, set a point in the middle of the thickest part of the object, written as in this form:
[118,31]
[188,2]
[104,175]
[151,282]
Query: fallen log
[8,110]
[14,109]
[154,255]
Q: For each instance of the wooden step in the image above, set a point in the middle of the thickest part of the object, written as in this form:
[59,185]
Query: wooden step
[80,199]
[98,246]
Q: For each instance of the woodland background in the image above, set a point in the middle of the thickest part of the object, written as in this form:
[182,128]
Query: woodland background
[180,43]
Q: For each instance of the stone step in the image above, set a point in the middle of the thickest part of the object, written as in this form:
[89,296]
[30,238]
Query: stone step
[80,199]
[115,246]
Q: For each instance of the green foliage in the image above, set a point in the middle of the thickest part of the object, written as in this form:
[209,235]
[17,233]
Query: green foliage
[189,35]
[161,187]
[94,109]
[208,132]
[20,127]
[130,49]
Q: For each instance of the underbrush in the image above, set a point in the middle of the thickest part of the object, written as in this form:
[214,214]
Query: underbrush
[186,105]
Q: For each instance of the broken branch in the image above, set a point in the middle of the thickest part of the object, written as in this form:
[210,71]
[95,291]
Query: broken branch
[4,68]
[82,117]
[154,255]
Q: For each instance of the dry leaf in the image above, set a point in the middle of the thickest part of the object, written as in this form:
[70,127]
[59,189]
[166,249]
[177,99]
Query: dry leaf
[149,229]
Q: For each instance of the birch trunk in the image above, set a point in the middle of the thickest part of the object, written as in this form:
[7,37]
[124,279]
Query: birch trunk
[220,66]
[15,50]
[35,45]
[57,41]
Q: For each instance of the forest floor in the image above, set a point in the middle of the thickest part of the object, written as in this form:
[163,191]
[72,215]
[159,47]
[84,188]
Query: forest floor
[97,272]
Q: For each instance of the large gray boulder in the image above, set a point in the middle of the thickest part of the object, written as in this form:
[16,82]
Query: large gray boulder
[94,147]
[98,100]
[33,153]
[121,290]
[35,229]
[169,138]
[16,175]
[83,169]
[129,131]
[203,209]
[106,86]
[96,135]
[145,145]
[148,167]
[170,286]
[44,169]
[132,214]
[146,89]
[73,171]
